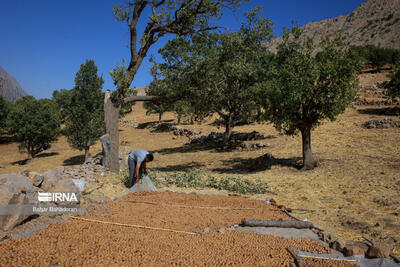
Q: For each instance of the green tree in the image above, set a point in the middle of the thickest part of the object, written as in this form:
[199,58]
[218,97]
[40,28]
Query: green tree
[63,101]
[216,72]
[302,90]
[237,67]
[127,107]
[179,17]
[393,85]
[5,107]
[34,123]
[85,115]
[158,88]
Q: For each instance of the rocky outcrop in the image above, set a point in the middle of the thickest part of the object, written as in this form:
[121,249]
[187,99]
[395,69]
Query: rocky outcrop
[374,22]
[381,123]
[10,89]
[16,191]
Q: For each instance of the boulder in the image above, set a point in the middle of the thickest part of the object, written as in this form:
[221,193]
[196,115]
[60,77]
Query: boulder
[16,191]
[338,244]
[54,181]
[36,178]
[16,181]
[379,250]
[106,145]
[51,178]
[355,248]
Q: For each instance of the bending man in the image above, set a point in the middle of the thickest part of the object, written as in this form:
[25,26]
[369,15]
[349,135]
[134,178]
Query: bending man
[137,165]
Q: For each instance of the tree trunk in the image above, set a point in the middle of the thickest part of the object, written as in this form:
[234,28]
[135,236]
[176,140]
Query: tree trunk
[86,153]
[159,116]
[111,114]
[228,131]
[308,159]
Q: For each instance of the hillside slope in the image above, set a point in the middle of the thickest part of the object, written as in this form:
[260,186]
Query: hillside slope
[375,22]
[10,89]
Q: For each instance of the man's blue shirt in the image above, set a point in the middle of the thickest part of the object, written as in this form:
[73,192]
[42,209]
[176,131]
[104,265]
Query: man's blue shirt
[138,155]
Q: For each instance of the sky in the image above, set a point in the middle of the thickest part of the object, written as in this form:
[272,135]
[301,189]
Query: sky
[44,42]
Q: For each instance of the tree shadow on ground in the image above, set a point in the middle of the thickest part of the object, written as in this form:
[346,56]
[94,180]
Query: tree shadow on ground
[187,148]
[149,124]
[6,139]
[76,160]
[179,168]
[46,154]
[384,111]
[21,162]
[247,166]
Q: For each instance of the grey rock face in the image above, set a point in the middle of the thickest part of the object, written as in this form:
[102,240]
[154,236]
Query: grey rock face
[106,145]
[15,190]
[10,89]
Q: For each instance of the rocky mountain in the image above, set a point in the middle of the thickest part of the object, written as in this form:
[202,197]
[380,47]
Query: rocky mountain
[10,89]
[375,22]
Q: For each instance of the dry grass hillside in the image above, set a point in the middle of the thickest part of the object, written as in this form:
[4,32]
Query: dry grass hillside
[353,193]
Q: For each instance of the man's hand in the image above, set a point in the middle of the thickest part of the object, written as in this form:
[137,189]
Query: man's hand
[137,180]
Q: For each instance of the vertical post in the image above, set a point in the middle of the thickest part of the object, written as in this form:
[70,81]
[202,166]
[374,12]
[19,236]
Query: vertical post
[111,115]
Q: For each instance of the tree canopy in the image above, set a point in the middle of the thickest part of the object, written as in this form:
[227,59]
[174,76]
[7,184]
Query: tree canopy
[84,122]
[214,72]
[302,90]
[5,107]
[393,85]
[63,100]
[180,17]
[34,123]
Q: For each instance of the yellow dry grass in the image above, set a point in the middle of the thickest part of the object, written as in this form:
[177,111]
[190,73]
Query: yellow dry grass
[357,178]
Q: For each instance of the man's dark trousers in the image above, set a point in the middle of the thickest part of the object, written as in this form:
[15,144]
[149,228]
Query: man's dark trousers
[132,171]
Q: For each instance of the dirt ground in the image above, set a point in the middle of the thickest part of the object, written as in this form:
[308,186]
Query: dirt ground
[353,193]
[79,242]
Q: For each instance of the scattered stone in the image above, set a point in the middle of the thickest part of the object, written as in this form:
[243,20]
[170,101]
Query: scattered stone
[338,244]
[3,236]
[328,238]
[381,123]
[379,250]
[36,178]
[355,248]
[129,123]
[206,231]
[222,230]
[98,199]
[82,212]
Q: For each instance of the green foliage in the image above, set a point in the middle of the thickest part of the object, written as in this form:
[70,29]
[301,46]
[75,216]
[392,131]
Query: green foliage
[179,17]
[63,101]
[157,88]
[127,107]
[196,178]
[301,90]
[393,85]
[5,108]
[376,56]
[85,114]
[34,123]
[215,72]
